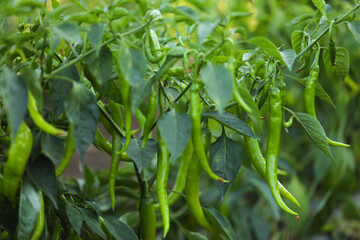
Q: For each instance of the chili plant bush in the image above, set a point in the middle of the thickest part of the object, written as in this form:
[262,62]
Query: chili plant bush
[215,101]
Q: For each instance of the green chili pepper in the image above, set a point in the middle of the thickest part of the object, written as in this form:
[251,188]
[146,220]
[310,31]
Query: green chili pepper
[39,120]
[150,117]
[310,92]
[265,91]
[162,176]
[176,72]
[196,132]
[150,34]
[282,87]
[272,148]
[40,222]
[115,109]
[18,154]
[179,184]
[332,45]
[259,162]
[147,217]
[68,153]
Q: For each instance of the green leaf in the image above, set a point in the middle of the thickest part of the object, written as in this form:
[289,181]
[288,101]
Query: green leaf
[91,220]
[100,66]
[112,91]
[14,97]
[341,69]
[289,57]
[60,89]
[231,121]
[81,110]
[33,83]
[204,29]
[55,4]
[189,234]
[218,83]
[268,46]
[225,161]
[119,230]
[175,129]
[354,28]
[260,227]
[314,130]
[140,156]
[321,5]
[74,216]
[42,172]
[69,32]
[53,147]
[29,209]
[296,39]
[219,222]
[300,19]
[81,4]
[131,218]
[133,65]
[319,92]
[96,33]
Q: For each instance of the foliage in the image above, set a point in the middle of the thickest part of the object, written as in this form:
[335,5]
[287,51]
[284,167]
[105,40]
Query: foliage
[77,60]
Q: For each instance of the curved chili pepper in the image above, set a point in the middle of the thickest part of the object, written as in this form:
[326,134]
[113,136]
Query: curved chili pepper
[115,109]
[39,120]
[158,56]
[18,155]
[196,133]
[282,87]
[310,92]
[40,222]
[259,162]
[68,153]
[272,148]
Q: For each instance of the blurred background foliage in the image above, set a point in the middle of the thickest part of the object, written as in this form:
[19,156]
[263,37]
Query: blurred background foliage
[328,191]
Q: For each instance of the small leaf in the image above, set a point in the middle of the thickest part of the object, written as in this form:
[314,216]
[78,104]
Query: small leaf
[81,110]
[91,220]
[74,216]
[96,33]
[119,230]
[218,83]
[100,66]
[314,130]
[42,172]
[29,209]
[354,28]
[60,89]
[231,121]
[321,5]
[225,161]
[289,57]
[140,156]
[204,29]
[341,69]
[133,65]
[175,129]
[300,19]
[219,222]
[68,31]
[268,46]
[53,147]
[319,91]
[296,39]
[14,97]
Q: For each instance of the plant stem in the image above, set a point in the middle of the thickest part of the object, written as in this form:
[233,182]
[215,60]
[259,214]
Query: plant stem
[111,121]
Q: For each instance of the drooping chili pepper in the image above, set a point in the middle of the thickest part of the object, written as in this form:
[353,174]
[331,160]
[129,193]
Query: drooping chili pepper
[310,92]
[150,34]
[115,109]
[282,87]
[259,162]
[39,120]
[68,153]
[40,222]
[332,44]
[147,217]
[272,148]
[265,91]
[162,176]
[18,154]
[179,184]
[196,132]
[150,117]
